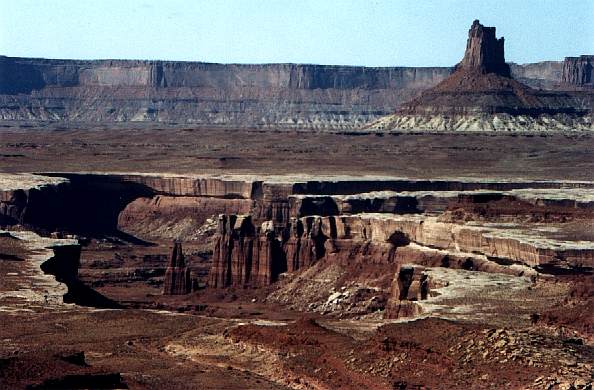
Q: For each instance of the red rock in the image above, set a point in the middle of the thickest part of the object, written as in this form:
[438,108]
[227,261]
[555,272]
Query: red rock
[480,88]
[484,52]
[177,276]
[410,284]
[245,255]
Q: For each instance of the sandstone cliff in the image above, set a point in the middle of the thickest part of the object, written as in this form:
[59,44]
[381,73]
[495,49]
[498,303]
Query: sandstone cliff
[540,75]
[484,52]
[245,255]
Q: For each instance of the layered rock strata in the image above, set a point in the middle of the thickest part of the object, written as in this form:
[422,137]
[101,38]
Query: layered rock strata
[274,95]
[545,75]
[410,284]
[579,71]
[177,276]
[481,95]
[134,202]
[233,95]
[184,217]
[247,255]
[344,241]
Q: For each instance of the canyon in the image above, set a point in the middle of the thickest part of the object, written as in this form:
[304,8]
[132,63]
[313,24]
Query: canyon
[345,251]
[169,224]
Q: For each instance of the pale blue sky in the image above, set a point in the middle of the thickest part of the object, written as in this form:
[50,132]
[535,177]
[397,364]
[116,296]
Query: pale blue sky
[373,32]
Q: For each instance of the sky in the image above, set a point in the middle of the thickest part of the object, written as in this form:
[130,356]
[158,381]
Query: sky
[341,32]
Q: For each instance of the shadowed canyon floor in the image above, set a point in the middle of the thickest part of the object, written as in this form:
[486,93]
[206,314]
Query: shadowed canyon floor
[302,260]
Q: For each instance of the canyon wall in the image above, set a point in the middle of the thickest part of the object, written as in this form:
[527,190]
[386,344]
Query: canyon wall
[205,93]
[250,255]
[332,241]
[579,71]
[61,200]
[229,95]
[540,75]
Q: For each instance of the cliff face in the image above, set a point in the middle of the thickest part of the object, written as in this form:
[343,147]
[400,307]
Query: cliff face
[579,71]
[484,52]
[541,75]
[249,255]
[24,75]
[245,255]
[365,244]
[285,95]
[230,95]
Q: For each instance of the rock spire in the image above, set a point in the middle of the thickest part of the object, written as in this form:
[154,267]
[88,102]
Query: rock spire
[177,276]
[484,52]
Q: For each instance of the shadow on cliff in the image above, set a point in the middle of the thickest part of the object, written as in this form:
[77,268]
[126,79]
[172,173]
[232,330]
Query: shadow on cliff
[64,267]
[90,206]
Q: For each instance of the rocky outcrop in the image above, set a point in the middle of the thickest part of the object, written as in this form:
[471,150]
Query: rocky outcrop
[183,217]
[177,276]
[141,202]
[579,71]
[207,186]
[31,200]
[306,242]
[484,52]
[480,95]
[245,255]
[410,285]
[51,278]
[540,75]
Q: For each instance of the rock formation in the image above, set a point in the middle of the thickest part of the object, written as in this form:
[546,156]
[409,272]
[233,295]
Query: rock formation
[484,52]
[177,276]
[172,217]
[481,95]
[410,284]
[245,255]
[377,227]
[544,75]
[579,71]
[272,95]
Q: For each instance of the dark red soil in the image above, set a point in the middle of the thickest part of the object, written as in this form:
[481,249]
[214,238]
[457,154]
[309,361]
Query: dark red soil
[428,353]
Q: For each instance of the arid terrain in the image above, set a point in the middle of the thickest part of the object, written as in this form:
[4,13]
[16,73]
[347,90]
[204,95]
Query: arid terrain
[159,149]
[381,269]
[187,225]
